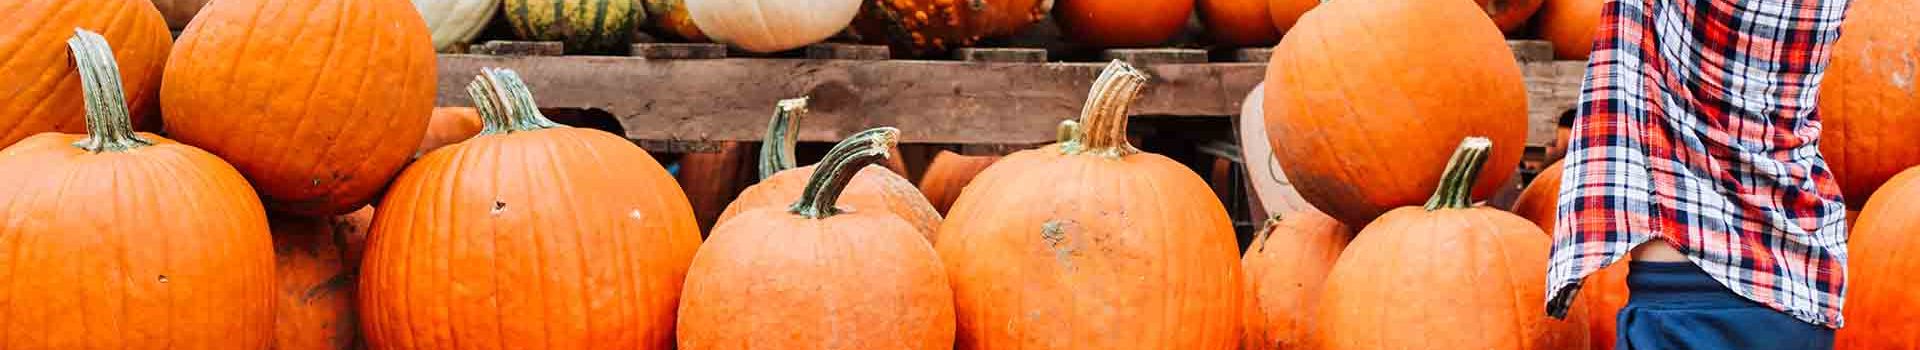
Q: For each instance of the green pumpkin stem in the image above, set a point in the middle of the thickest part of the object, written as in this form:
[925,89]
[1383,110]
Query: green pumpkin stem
[512,99]
[493,120]
[832,175]
[1463,169]
[109,129]
[1103,121]
[783,130]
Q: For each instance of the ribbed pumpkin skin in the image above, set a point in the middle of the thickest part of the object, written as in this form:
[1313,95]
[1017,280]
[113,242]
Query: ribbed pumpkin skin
[39,91]
[1868,105]
[318,124]
[586,26]
[874,187]
[179,12]
[316,281]
[1106,23]
[1140,256]
[921,28]
[1880,291]
[1453,278]
[670,16]
[1571,25]
[1605,291]
[560,238]
[1239,22]
[165,244]
[860,280]
[1511,15]
[1338,79]
[449,125]
[1285,269]
[948,174]
[712,180]
[455,22]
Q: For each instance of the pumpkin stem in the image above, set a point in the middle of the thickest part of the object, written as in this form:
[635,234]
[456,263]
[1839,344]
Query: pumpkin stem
[1463,169]
[1103,121]
[832,175]
[109,129]
[783,130]
[513,100]
[493,120]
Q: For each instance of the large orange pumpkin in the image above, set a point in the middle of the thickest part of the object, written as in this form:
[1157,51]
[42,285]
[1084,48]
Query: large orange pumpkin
[449,125]
[1868,105]
[530,235]
[1133,23]
[117,239]
[1570,25]
[1510,15]
[1374,104]
[318,120]
[875,187]
[1286,12]
[818,275]
[1239,22]
[1880,284]
[948,174]
[39,91]
[1093,244]
[712,180]
[1605,291]
[928,27]
[1285,267]
[1418,277]
[317,273]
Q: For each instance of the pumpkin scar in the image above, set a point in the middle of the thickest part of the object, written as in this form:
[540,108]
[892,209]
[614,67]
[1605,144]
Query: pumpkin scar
[1055,233]
[498,207]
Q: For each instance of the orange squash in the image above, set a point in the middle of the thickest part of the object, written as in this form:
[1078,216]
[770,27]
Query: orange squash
[117,239]
[1417,277]
[1285,267]
[317,272]
[1133,23]
[1510,15]
[1239,22]
[1093,244]
[41,92]
[1570,25]
[449,125]
[317,129]
[1372,104]
[1538,200]
[1287,12]
[1868,105]
[846,277]
[670,17]
[179,12]
[1605,291]
[874,187]
[530,235]
[1880,283]
[948,174]
[712,180]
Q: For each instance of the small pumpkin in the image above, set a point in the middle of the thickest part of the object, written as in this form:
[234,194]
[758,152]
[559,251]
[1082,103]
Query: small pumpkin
[1134,23]
[948,173]
[1570,25]
[670,17]
[771,25]
[788,275]
[1372,104]
[1605,291]
[179,12]
[1239,23]
[317,272]
[712,180]
[118,239]
[585,26]
[1419,275]
[317,134]
[1285,267]
[544,200]
[455,22]
[929,27]
[874,187]
[1287,12]
[1868,108]
[449,125]
[42,93]
[1880,267]
[1538,201]
[1093,244]
[1510,15]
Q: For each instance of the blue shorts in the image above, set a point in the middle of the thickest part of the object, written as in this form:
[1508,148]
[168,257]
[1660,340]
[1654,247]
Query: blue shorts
[1675,305]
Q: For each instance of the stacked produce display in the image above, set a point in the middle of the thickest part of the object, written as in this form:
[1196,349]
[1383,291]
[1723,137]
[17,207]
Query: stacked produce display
[294,174]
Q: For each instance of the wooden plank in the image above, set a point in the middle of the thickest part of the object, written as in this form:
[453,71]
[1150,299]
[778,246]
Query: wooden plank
[1253,55]
[1552,87]
[681,146]
[519,48]
[931,101]
[678,51]
[1000,54]
[837,51]
[1531,50]
[1143,57]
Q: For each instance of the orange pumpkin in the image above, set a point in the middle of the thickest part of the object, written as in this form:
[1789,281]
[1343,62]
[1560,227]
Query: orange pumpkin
[1239,22]
[1285,267]
[1287,12]
[712,180]
[1538,200]
[670,17]
[1868,106]
[1093,244]
[928,27]
[117,239]
[780,182]
[1880,292]
[1510,15]
[1134,23]
[1570,25]
[449,125]
[1372,104]
[318,130]
[41,92]
[948,174]
[530,235]
[827,257]
[1605,291]
[179,12]
[1417,277]
[316,276]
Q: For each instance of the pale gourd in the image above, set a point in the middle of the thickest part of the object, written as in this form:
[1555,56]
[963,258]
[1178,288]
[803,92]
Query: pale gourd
[455,22]
[771,25]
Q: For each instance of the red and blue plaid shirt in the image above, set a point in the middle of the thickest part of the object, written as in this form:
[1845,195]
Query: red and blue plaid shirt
[1697,126]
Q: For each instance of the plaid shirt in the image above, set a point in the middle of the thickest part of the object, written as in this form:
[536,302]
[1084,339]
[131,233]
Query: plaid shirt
[1697,125]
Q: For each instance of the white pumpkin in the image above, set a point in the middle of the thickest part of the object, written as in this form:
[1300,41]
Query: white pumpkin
[455,22]
[771,25]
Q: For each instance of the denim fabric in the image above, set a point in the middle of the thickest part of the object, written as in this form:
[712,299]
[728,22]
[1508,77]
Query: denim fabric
[1677,306]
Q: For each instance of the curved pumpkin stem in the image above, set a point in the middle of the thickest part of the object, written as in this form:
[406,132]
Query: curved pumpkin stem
[109,129]
[493,118]
[832,175]
[1463,169]
[783,130]
[1103,121]
[512,99]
